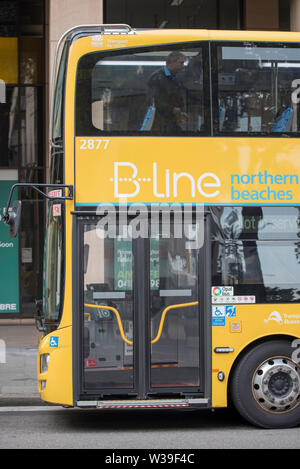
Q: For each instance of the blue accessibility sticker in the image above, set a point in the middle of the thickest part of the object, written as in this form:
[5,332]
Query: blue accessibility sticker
[218,316]
[218,321]
[53,341]
[231,311]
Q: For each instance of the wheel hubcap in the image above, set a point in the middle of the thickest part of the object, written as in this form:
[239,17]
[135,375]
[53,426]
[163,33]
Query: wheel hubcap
[276,385]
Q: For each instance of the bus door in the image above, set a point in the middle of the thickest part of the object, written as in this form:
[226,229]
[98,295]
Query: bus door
[174,309]
[142,312]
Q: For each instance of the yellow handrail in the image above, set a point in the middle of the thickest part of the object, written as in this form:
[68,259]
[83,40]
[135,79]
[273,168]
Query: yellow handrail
[114,310]
[161,324]
[162,319]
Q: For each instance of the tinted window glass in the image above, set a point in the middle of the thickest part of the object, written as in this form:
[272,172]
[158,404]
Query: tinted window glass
[53,265]
[263,223]
[108,329]
[269,271]
[9,138]
[257,89]
[158,91]
[257,251]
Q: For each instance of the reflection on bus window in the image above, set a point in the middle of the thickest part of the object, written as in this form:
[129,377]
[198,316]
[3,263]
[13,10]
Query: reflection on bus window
[251,222]
[257,250]
[157,91]
[53,267]
[256,89]
[108,329]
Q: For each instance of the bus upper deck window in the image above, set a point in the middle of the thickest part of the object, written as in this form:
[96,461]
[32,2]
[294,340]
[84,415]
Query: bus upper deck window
[255,89]
[155,90]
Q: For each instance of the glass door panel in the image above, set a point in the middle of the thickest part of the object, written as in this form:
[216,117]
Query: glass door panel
[174,311]
[108,310]
[141,321]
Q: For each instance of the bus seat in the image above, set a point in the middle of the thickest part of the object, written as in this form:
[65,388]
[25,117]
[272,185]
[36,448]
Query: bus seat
[283,123]
[149,118]
[222,112]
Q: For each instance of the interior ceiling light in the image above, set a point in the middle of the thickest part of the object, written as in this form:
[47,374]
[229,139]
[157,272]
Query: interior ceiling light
[176,3]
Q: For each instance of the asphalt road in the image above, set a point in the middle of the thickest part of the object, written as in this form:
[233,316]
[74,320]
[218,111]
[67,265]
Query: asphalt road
[25,423]
[57,428]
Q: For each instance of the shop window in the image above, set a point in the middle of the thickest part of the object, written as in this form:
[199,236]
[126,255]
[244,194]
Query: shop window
[31,64]
[9,59]
[31,17]
[31,136]
[8,18]
[21,128]
[9,138]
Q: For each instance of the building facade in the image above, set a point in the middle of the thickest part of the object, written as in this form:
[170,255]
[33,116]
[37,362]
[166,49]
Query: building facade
[29,31]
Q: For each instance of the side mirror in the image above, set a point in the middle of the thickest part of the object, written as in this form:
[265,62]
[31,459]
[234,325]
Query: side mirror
[13,218]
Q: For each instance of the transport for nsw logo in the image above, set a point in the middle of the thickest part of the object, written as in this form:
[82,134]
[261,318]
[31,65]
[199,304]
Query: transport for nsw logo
[283,318]
[274,316]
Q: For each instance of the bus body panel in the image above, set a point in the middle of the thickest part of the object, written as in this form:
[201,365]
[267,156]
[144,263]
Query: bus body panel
[58,380]
[218,171]
[250,324]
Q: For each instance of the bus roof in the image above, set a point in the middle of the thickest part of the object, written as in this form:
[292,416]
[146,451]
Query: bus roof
[187,34]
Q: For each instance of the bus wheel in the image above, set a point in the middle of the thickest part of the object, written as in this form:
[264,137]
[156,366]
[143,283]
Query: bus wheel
[265,387]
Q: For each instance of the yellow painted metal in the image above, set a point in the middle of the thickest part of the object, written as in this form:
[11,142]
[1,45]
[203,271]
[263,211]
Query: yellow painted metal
[254,322]
[58,378]
[217,161]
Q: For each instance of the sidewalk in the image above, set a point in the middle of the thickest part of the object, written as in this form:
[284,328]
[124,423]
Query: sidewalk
[18,362]
[19,332]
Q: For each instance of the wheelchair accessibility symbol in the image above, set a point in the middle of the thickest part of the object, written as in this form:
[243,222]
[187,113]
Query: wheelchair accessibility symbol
[218,315]
[53,342]
[218,312]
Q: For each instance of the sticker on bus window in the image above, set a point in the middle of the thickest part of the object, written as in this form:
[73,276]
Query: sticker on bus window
[90,363]
[222,291]
[240,299]
[56,210]
[55,193]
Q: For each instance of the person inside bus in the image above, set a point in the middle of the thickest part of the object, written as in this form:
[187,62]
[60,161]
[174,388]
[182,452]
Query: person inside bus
[166,96]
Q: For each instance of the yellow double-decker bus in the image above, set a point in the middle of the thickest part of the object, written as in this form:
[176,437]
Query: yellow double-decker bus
[172,251]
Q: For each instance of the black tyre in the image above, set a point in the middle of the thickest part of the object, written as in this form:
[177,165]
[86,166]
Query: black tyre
[265,387]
